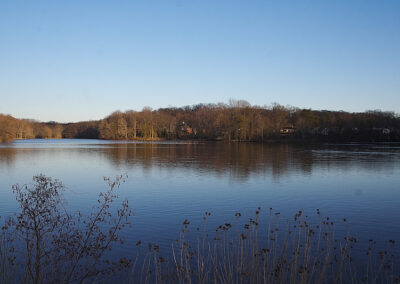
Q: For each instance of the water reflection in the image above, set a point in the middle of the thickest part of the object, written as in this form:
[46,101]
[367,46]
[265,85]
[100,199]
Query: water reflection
[239,161]
[169,182]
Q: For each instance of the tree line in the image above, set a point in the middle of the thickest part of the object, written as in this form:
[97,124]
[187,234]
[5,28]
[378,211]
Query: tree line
[237,120]
[12,128]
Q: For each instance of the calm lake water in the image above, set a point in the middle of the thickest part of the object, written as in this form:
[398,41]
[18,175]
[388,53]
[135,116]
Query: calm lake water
[169,182]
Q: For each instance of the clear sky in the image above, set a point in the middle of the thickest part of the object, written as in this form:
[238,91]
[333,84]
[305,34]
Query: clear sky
[80,59]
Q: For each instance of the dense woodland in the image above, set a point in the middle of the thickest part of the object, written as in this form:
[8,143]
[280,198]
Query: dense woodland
[236,121]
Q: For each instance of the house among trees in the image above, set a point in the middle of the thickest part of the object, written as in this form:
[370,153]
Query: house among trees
[325,131]
[186,131]
[287,130]
[384,131]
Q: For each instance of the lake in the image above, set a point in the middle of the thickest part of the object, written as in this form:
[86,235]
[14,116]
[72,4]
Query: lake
[169,182]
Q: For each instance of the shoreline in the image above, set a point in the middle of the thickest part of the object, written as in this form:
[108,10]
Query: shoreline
[266,141]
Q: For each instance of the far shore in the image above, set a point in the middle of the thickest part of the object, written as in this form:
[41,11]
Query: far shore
[266,141]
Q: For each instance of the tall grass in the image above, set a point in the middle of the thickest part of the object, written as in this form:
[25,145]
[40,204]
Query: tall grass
[302,252]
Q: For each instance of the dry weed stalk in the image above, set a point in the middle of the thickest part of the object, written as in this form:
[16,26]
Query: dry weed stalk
[304,252]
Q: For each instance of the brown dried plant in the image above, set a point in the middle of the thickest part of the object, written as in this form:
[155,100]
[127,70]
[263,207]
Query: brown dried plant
[44,243]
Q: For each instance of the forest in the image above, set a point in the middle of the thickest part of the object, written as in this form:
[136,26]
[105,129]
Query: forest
[235,121]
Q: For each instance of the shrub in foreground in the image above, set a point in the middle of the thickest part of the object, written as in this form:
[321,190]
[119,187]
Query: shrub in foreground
[44,243]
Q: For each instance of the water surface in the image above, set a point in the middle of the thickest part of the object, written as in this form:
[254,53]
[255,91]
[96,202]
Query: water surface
[169,182]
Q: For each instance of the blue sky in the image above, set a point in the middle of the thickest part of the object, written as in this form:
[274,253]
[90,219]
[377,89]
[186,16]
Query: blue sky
[81,60]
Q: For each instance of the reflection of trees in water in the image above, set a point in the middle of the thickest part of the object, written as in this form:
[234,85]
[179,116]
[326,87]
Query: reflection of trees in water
[368,157]
[8,155]
[237,160]
[240,160]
